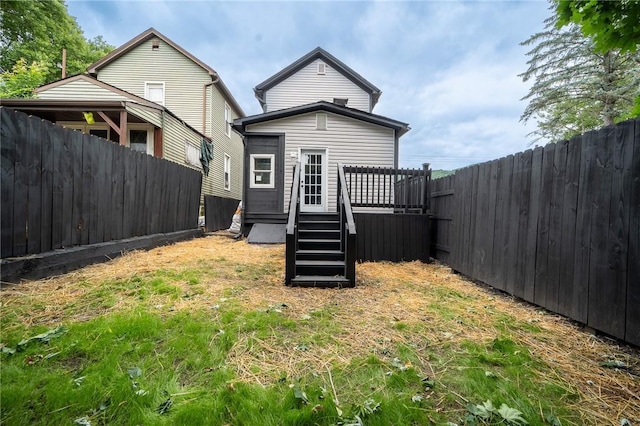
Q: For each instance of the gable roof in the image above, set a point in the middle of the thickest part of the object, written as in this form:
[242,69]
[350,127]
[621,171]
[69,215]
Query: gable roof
[400,127]
[102,84]
[318,53]
[153,33]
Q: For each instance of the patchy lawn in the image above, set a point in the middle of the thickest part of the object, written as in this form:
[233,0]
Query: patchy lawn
[204,332]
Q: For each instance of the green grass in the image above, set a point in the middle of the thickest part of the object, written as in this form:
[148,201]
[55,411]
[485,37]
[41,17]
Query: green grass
[125,365]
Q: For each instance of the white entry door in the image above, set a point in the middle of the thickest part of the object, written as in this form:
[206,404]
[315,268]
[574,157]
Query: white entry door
[313,191]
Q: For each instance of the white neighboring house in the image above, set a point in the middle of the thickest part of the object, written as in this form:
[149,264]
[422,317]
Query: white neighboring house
[317,111]
[162,98]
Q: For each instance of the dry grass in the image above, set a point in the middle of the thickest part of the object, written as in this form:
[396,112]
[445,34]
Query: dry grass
[387,295]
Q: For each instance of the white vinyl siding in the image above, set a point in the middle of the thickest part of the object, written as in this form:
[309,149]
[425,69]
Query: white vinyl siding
[307,86]
[348,141]
[184,80]
[80,90]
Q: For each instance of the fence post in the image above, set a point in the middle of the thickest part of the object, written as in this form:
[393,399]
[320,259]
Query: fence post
[426,174]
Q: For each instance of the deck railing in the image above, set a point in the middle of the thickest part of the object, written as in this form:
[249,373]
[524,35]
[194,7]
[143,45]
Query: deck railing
[292,226]
[347,227]
[403,190]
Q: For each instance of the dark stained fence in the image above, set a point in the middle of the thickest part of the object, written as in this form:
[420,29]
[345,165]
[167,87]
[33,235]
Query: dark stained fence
[218,212]
[63,188]
[393,237]
[441,218]
[558,226]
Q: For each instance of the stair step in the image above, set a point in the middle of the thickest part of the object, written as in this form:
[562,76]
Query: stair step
[327,263]
[320,267]
[315,217]
[319,234]
[338,281]
[318,244]
[319,224]
[320,255]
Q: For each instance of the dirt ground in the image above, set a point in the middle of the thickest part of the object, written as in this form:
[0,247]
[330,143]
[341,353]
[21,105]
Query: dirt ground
[386,294]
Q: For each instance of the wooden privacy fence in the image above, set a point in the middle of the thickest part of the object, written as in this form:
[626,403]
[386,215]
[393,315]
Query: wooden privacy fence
[403,190]
[558,226]
[63,188]
[218,212]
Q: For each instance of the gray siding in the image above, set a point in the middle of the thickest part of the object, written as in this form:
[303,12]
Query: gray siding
[348,141]
[184,80]
[80,90]
[307,86]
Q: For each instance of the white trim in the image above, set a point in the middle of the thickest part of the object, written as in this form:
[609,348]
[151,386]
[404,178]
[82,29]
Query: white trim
[252,181]
[139,126]
[324,206]
[227,119]
[321,121]
[226,182]
[146,91]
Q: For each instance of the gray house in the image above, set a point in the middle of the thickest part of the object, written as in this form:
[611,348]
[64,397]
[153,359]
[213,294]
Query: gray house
[151,95]
[317,111]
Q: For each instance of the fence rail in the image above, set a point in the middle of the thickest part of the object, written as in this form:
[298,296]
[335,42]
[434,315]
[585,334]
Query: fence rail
[399,189]
[63,188]
[558,226]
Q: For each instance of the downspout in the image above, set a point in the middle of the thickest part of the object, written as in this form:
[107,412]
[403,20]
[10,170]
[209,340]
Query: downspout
[204,102]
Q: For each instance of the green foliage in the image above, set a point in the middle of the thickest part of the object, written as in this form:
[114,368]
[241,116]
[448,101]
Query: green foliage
[21,80]
[576,88]
[38,31]
[611,24]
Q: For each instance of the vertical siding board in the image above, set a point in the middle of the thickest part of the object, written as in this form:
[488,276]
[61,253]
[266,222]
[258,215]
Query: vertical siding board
[513,224]
[566,291]
[139,213]
[555,225]
[46,201]
[523,221]
[583,225]
[76,153]
[59,173]
[532,225]
[34,169]
[8,142]
[21,187]
[66,165]
[481,213]
[95,228]
[117,191]
[105,213]
[542,257]
[490,223]
[606,301]
[129,189]
[632,332]
[472,219]
[497,277]
[149,195]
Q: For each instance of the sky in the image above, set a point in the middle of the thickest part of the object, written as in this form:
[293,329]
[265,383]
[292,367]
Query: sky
[448,68]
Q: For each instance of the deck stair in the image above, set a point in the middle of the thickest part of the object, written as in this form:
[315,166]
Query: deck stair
[320,261]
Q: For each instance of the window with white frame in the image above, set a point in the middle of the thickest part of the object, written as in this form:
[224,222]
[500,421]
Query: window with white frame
[227,120]
[227,172]
[262,171]
[154,91]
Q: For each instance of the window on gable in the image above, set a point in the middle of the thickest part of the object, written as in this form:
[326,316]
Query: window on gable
[227,172]
[262,171]
[322,68]
[340,101]
[321,121]
[154,91]
[227,120]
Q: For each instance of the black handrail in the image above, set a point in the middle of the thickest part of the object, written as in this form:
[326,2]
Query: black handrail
[347,227]
[292,226]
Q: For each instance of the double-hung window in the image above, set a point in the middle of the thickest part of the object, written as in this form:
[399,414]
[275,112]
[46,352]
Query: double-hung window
[227,120]
[262,171]
[227,172]
[154,91]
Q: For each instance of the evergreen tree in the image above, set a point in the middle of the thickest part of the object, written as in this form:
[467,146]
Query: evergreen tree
[575,87]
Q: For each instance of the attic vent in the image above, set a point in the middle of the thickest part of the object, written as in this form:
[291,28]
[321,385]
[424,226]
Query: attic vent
[155,44]
[321,68]
[340,101]
[321,121]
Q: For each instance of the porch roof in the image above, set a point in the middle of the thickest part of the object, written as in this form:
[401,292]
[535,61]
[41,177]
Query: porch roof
[401,128]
